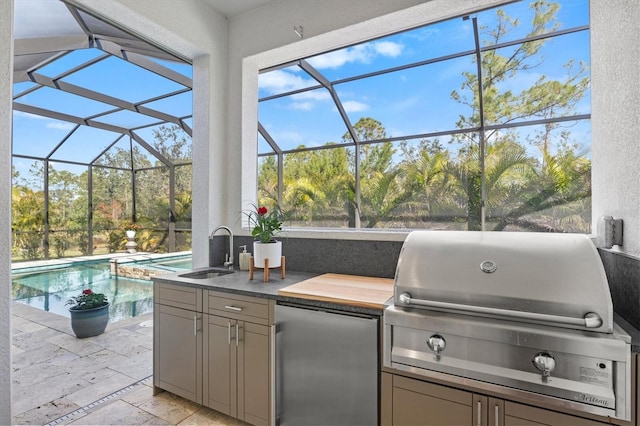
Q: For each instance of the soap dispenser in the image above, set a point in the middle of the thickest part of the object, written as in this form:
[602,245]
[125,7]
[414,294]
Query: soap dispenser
[244,259]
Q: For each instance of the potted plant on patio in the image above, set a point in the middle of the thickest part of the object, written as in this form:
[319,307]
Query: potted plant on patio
[130,229]
[89,313]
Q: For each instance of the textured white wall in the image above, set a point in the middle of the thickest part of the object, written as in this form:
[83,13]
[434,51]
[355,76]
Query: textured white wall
[6,79]
[615,113]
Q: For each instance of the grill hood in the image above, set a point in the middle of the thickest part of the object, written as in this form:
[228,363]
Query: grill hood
[550,279]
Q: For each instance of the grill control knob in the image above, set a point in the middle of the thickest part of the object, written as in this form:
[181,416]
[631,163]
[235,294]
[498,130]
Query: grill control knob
[437,344]
[545,363]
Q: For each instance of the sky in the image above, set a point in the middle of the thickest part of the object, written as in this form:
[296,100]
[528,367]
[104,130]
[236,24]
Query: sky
[35,135]
[406,102]
[411,101]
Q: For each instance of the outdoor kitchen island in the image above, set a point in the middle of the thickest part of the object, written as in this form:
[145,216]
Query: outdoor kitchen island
[195,317]
[215,337]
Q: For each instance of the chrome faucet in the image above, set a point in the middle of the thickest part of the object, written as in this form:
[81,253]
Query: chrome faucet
[228,258]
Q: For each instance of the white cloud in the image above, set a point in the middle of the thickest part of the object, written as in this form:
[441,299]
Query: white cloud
[20,114]
[284,80]
[354,106]
[362,53]
[60,125]
[388,48]
[304,106]
[315,95]
[279,81]
[305,101]
[338,58]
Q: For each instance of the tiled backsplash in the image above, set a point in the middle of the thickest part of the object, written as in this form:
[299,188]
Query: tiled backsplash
[354,257]
[379,259]
[623,273]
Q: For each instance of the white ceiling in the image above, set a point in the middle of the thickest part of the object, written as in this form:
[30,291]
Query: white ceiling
[231,8]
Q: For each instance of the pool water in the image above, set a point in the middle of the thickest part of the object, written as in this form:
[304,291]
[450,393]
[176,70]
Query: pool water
[50,289]
[177,264]
[171,265]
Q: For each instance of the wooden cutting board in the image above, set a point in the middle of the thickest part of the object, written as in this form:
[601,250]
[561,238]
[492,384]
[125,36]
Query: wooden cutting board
[369,292]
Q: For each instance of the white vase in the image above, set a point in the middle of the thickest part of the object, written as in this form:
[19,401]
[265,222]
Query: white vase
[271,251]
[131,241]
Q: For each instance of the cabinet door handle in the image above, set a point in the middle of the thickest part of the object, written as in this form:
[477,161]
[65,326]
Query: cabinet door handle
[496,411]
[233,308]
[237,335]
[479,409]
[272,373]
[195,325]
[229,332]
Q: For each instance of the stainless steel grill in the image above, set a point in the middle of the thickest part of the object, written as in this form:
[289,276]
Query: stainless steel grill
[526,311]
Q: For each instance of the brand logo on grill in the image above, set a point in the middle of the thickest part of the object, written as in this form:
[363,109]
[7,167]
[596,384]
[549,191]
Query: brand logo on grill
[589,399]
[488,266]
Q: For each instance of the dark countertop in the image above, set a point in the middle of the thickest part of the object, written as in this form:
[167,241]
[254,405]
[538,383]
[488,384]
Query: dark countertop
[239,283]
[630,330]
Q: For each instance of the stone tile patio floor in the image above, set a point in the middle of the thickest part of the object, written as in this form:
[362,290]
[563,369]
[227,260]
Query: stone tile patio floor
[59,379]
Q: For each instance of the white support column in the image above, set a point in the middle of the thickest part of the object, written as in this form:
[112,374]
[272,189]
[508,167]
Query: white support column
[6,80]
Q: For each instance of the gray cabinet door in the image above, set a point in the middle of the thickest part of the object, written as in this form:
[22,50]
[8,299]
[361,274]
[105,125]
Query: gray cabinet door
[519,414]
[414,402]
[178,351]
[253,373]
[412,408]
[220,364]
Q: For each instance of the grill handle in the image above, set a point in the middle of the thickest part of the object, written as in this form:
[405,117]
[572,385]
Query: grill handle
[590,320]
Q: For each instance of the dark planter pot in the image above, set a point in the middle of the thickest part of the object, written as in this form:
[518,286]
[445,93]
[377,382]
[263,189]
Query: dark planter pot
[89,322]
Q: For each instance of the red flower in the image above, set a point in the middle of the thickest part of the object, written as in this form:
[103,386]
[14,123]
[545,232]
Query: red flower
[264,223]
[87,299]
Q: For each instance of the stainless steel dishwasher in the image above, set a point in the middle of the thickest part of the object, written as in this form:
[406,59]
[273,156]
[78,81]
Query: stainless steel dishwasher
[326,367]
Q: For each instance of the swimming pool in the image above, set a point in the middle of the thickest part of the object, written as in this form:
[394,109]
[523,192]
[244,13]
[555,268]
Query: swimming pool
[50,288]
[159,265]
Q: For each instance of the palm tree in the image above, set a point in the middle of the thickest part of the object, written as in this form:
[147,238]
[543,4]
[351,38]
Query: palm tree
[318,185]
[432,192]
[556,195]
[504,163]
[512,188]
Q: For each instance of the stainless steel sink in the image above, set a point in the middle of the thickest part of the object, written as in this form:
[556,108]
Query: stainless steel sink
[207,273]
